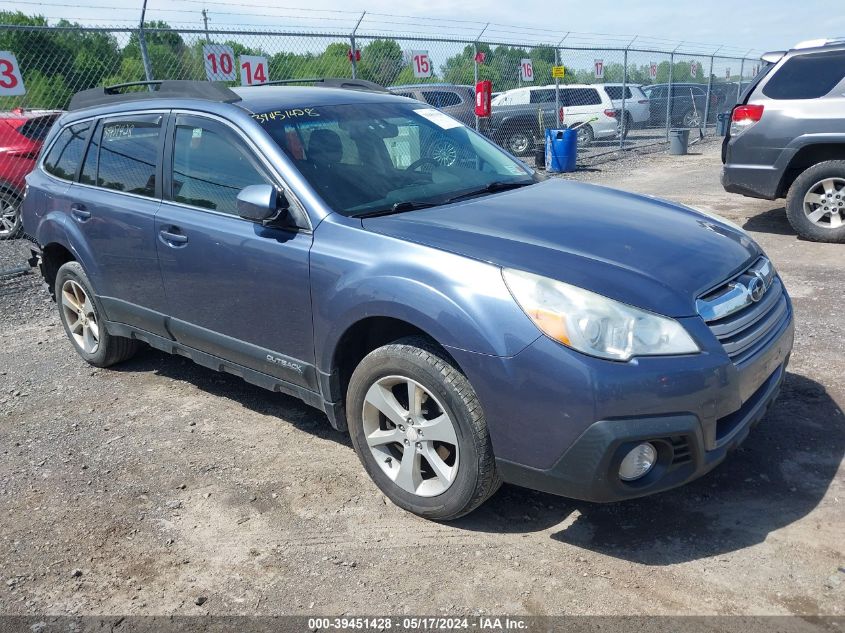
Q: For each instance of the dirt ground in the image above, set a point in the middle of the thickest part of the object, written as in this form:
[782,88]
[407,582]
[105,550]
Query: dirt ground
[142,489]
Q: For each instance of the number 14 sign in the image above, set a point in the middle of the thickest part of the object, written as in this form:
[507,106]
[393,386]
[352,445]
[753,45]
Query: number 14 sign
[253,70]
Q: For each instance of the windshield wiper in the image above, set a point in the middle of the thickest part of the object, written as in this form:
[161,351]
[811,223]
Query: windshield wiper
[399,207]
[492,187]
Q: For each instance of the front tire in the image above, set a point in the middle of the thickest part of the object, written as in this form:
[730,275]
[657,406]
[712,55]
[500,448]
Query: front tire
[419,430]
[815,204]
[82,318]
[10,216]
[518,142]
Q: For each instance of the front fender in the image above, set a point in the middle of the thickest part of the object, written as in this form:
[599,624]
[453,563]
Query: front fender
[460,302]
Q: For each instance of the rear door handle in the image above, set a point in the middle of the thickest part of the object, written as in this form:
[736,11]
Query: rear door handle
[172,239]
[79,212]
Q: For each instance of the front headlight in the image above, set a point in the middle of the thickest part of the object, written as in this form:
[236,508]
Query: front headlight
[593,324]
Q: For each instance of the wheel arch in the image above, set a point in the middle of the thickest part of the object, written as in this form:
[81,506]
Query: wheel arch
[808,155]
[53,256]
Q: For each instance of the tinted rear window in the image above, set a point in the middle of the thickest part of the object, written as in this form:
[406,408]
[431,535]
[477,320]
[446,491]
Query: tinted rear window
[63,159]
[543,96]
[615,92]
[807,76]
[441,98]
[128,154]
[580,96]
[36,128]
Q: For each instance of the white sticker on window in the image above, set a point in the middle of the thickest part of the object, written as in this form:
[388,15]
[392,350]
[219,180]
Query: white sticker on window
[438,118]
[196,132]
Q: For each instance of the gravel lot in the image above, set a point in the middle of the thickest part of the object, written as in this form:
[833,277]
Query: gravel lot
[145,488]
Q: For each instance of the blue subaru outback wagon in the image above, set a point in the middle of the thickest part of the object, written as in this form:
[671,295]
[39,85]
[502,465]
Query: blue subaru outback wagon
[466,321]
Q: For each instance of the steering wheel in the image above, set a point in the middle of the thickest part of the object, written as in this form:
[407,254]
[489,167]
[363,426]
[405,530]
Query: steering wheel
[425,160]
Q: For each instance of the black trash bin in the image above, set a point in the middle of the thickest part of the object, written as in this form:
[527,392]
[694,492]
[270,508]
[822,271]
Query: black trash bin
[723,121]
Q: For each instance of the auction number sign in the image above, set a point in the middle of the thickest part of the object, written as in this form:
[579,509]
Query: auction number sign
[219,62]
[253,70]
[599,68]
[421,64]
[652,70]
[693,69]
[526,70]
[11,82]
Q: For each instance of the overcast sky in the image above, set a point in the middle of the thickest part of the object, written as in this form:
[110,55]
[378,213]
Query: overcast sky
[748,24]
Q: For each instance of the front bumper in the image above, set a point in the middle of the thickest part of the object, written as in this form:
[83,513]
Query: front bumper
[561,422]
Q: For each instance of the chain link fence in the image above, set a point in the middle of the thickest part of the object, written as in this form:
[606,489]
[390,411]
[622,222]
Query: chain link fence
[649,87]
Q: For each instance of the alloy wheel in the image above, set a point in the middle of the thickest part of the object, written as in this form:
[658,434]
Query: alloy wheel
[518,143]
[411,436]
[692,119]
[444,153]
[824,203]
[9,216]
[79,315]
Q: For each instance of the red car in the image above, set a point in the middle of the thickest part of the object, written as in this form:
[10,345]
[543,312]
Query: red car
[21,134]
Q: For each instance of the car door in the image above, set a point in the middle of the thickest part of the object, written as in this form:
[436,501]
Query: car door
[236,289]
[114,203]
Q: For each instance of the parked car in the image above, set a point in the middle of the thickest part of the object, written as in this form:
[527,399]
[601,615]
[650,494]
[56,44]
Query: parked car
[515,122]
[455,100]
[689,102]
[637,110]
[21,134]
[466,324]
[787,138]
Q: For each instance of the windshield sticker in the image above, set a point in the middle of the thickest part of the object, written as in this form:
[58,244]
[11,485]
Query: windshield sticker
[438,118]
[281,115]
[515,170]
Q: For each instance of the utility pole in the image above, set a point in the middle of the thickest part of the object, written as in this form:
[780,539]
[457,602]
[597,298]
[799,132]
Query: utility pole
[205,24]
[142,41]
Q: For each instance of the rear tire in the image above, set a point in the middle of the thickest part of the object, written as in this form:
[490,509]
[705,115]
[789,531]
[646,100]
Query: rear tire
[518,142]
[82,318]
[440,479]
[586,136]
[815,204]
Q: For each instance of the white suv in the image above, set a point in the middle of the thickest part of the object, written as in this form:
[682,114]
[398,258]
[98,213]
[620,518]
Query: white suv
[515,119]
[636,103]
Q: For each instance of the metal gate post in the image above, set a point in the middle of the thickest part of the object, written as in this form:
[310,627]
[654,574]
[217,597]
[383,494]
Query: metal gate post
[142,43]
[709,89]
[623,124]
[739,83]
[669,93]
[352,42]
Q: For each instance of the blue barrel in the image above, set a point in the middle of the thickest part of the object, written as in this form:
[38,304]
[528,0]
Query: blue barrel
[561,150]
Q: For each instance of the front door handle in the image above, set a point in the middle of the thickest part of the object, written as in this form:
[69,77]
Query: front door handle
[79,212]
[172,239]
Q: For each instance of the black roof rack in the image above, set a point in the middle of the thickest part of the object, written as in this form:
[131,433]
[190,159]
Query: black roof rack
[157,89]
[332,82]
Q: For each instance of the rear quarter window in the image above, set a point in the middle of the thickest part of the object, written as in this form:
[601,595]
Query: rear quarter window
[807,76]
[62,161]
[581,96]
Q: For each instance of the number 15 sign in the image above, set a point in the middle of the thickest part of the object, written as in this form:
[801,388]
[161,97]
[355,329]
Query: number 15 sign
[421,63]
[11,82]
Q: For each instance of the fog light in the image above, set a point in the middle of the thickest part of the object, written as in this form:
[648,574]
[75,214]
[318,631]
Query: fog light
[638,462]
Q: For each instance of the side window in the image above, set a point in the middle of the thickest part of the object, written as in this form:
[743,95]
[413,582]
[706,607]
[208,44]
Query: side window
[542,96]
[210,166]
[128,154]
[441,98]
[807,76]
[63,159]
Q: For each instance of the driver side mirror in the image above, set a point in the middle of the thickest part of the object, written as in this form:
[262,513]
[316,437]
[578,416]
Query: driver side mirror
[262,203]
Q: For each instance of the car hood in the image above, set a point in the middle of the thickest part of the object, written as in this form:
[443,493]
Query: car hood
[640,250]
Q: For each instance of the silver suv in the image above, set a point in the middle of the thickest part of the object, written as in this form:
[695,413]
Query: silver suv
[787,138]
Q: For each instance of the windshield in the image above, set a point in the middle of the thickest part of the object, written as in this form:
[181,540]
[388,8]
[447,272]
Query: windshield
[374,157]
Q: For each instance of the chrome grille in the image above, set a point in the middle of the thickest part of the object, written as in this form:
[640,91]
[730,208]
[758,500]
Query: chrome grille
[746,312]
